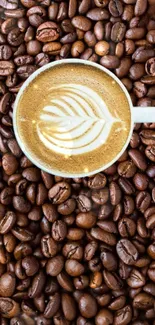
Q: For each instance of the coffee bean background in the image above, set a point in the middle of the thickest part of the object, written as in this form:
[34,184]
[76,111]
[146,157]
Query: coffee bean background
[78,251]
[118,34]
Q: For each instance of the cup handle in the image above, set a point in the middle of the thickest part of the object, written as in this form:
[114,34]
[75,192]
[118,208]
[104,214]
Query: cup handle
[143,114]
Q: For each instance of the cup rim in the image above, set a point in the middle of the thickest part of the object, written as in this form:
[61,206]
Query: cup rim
[32,77]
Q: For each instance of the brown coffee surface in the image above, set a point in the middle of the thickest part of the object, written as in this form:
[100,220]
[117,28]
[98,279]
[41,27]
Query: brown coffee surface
[63,98]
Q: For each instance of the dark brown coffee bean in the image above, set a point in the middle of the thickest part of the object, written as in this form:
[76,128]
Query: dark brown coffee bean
[143,301]
[84,203]
[52,48]
[143,200]
[115,8]
[52,306]
[6,195]
[77,48]
[10,164]
[74,268]
[123,316]
[7,284]
[110,61]
[142,54]
[126,227]
[141,181]
[87,306]
[108,260]
[150,153]
[104,236]
[112,280]
[59,230]
[137,70]
[127,251]
[5,52]
[138,159]
[21,205]
[126,169]
[98,14]
[129,205]
[6,68]
[124,67]
[68,307]
[30,265]
[148,80]
[85,220]
[7,222]
[150,67]
[100,197]
[23,235]
[9,307]
[48,246]
[82,23]
[108,226]
[115,193]
[136,279]
[75,233]
[59,192]
[104,316]
[53,11]
[151,36]
[4,103]
[47,32]
[118,32]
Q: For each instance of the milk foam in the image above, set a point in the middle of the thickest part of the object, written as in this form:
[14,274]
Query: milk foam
[76,121]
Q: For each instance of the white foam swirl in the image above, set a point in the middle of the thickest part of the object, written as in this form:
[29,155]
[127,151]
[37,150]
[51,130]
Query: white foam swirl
[76,120]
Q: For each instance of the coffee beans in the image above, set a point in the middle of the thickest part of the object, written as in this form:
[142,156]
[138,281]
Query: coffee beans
[76,250]
[87,306]
[127,252]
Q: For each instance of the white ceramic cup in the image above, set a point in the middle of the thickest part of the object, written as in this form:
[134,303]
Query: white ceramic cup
[138,115]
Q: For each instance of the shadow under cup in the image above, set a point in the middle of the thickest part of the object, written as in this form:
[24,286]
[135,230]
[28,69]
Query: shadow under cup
[69,117]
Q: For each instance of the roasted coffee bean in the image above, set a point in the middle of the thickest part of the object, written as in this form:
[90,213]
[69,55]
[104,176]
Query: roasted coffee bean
[85,220]
[74,268]
[82,23]
[102,235]
[9,307]
[123,315]
[84,203]
[10,164]
[87,306]
[104,316]
[59,192]
[7,284]
[47,32]
[7,222]
[127,227]
[138,159]
[48,246]
[110,61]
[52,306]
[59,230]
[7,68]
[143,301]
[127,251]
[115,193]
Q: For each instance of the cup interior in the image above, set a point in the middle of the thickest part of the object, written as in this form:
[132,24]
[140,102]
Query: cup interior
[49,66]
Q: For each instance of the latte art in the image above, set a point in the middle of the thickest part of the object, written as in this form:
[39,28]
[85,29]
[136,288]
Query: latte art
[76,121]
[73,119]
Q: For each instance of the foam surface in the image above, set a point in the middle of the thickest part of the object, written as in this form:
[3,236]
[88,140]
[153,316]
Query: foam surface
[70,118]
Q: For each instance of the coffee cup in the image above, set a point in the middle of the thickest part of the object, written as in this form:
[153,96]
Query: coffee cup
[74,118]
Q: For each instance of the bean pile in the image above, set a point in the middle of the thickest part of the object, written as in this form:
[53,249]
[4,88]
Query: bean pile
[78,251]
[119,34]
